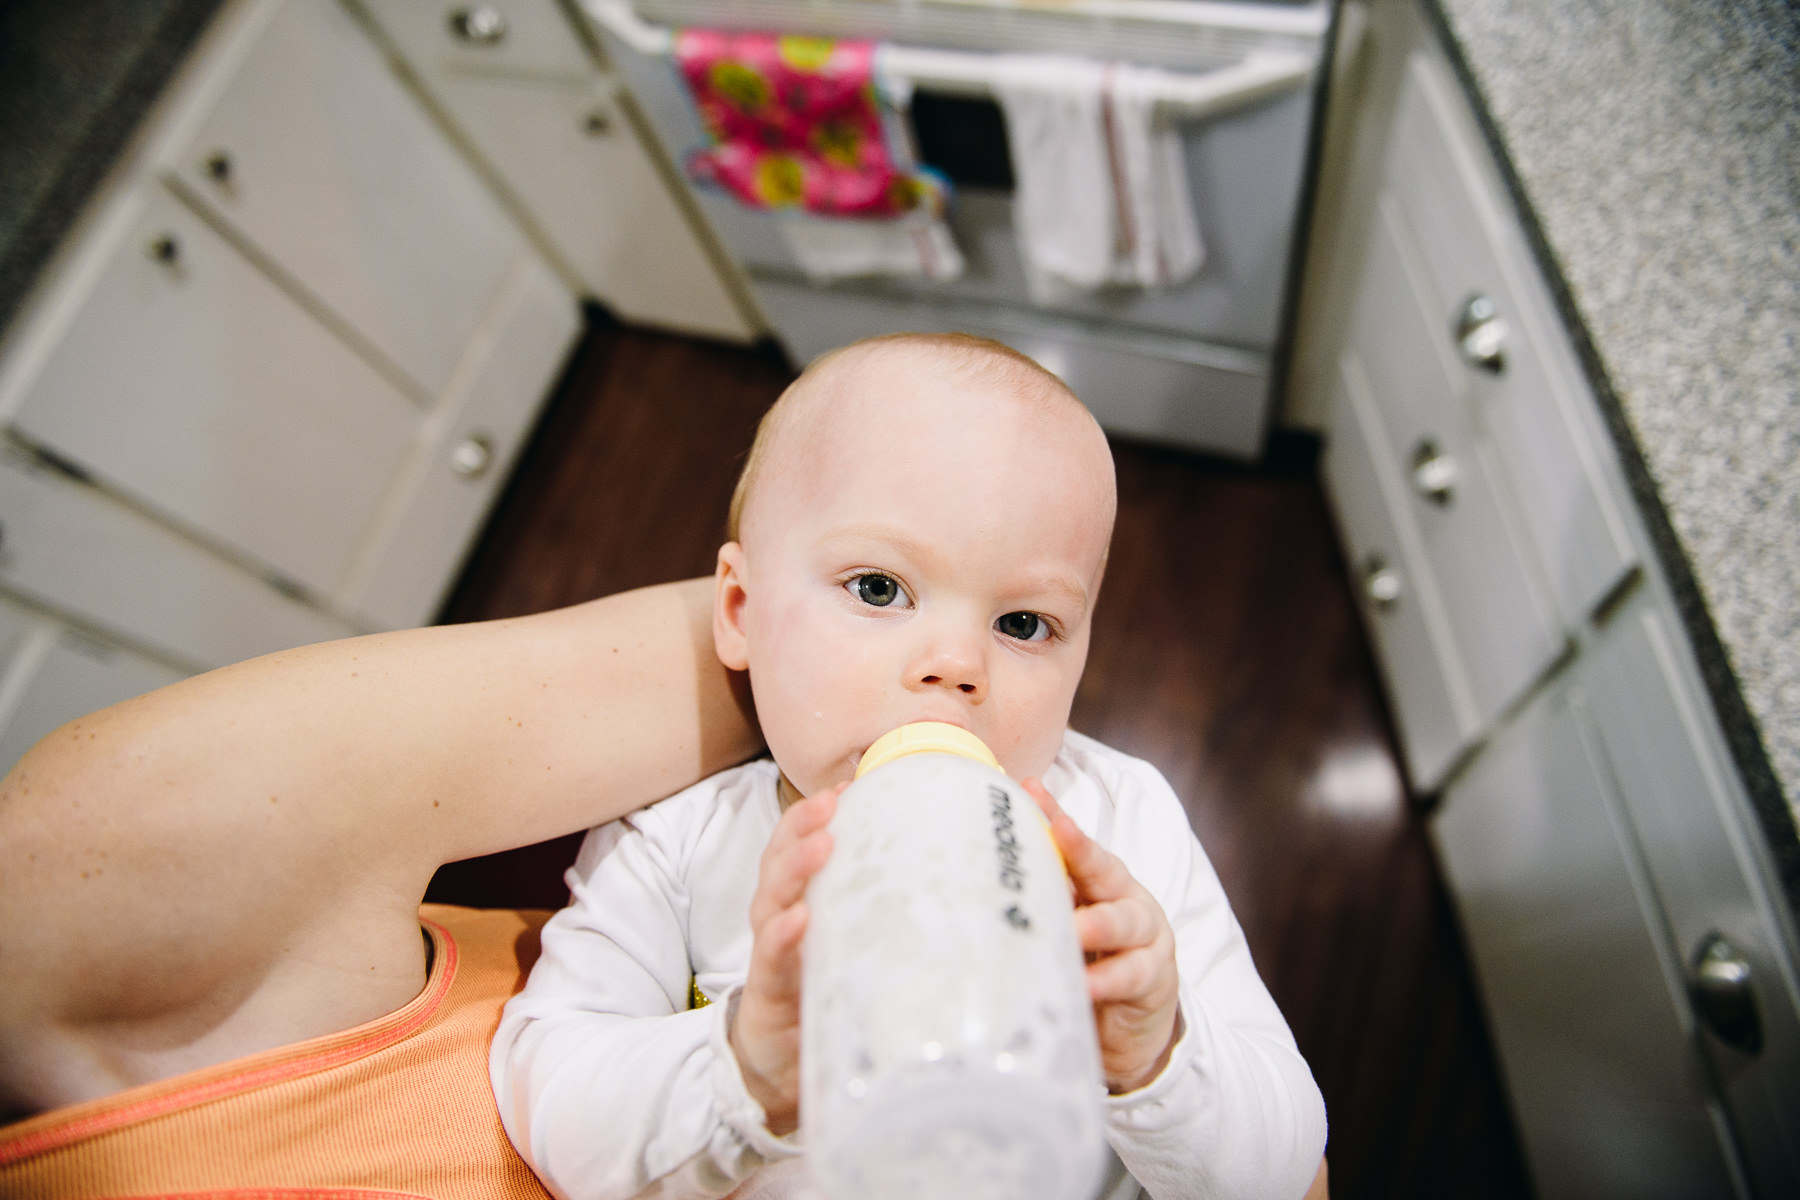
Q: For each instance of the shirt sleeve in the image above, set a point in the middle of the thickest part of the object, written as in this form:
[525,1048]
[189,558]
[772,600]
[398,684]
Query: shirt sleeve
[607,1083]
[1236,1112]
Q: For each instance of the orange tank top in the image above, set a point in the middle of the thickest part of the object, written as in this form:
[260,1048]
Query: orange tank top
[396,1109]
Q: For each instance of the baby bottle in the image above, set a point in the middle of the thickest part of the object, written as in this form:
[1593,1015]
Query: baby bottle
[948,1044]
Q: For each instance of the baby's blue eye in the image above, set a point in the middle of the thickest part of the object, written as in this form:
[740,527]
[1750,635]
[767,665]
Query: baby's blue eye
[1025,626]
[876,589]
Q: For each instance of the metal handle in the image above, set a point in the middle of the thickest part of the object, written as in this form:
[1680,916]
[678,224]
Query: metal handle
[1381,583]
[480,25]
[1481,334]
[1434,473]
[472,456]
[164,248]
[1722,994]
[217,166]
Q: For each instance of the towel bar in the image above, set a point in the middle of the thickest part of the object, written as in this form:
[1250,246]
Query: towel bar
[1260,74]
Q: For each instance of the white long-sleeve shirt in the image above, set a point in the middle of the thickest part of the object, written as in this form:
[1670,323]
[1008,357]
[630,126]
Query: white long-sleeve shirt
[611,1086]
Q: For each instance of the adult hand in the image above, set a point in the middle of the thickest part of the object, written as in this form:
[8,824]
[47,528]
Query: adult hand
[1131,955]
[765,1024]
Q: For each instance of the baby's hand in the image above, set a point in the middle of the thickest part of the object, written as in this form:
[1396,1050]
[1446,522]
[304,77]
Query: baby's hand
[1131,955]
[765,1027]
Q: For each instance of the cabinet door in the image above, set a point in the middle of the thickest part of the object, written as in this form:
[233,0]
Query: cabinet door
[1708,864]
[1530,398]
[314,154]
[1582,988]
[188,381]
[1433,705]
[571,154]
[71,548]
[1506,633]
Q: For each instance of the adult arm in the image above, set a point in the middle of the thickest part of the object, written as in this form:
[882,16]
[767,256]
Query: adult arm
[235,862]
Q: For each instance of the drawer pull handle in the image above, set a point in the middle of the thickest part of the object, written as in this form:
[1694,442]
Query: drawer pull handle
[164,248]
[218,167]
[1481,334]
[481,25]
[1381,583]
[472,456]
[1434,473]
[1723,998]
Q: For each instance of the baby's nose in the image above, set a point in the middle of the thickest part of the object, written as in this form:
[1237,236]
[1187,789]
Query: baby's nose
[951,662]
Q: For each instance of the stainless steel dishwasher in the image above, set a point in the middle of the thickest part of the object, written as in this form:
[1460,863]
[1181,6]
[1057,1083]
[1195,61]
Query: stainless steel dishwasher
[1190,364]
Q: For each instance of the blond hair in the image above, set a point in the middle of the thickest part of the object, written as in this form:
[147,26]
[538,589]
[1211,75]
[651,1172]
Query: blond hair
[984,358]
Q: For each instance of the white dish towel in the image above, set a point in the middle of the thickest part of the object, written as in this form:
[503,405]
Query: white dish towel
[1101,194]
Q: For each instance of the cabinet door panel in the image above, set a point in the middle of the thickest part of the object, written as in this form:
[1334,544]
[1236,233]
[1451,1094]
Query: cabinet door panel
[197,387]
[337,176]
[1433,705]
[441,505]
[569,151]
[532,37]
[1505,632]
[1472,246]
[1704,860]
[1581,988]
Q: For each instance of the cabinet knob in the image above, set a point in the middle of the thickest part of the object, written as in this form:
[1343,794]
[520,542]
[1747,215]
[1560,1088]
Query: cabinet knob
[1481,334]
[597,123]
[1724,1000]
[217,166]
[1381,583]
[479,25]
[164,248]
[1433,473]
[472,456]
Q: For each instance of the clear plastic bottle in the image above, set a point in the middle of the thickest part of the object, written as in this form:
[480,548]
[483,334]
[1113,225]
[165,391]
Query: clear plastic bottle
[948,1045]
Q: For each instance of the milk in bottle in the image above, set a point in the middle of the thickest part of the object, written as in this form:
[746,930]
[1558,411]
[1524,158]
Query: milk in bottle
[948,1043]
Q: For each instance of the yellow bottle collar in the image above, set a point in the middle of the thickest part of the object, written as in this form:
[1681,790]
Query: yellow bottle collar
[925,737]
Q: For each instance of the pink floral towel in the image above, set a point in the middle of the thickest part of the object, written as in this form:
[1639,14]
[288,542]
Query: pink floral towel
[795,123]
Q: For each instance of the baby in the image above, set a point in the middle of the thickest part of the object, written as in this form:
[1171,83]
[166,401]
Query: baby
[919,534]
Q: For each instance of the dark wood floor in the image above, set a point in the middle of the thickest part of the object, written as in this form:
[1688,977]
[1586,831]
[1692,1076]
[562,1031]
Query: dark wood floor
[1226,650]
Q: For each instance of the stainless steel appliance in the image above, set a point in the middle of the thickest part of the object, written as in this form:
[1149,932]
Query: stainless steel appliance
[1190,364]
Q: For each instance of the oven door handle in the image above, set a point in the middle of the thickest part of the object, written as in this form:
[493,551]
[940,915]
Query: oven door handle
[1181,96]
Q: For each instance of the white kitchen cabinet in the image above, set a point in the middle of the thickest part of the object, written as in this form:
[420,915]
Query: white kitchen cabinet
[71,548]
[191,383]
[1582,987]
[51,674]
[306,148]
[299,329]
[560,140]
[266,391]
[1602,855]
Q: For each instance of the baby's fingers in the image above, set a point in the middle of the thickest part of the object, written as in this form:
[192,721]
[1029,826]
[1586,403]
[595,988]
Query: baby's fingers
[1119,925]
[796,850]
[1136,977]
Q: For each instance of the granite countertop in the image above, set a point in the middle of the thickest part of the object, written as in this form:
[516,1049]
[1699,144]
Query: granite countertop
[1656,146]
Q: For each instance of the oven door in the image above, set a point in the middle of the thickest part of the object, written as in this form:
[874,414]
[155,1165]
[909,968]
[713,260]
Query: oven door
[1189,364]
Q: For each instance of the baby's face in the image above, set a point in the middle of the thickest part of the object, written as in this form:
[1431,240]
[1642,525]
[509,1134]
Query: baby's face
[930,549]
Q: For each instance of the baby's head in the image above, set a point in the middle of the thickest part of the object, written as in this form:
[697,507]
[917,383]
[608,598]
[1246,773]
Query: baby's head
[919,534]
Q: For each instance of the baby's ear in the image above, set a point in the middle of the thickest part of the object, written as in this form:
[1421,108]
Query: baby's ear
[730,642]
